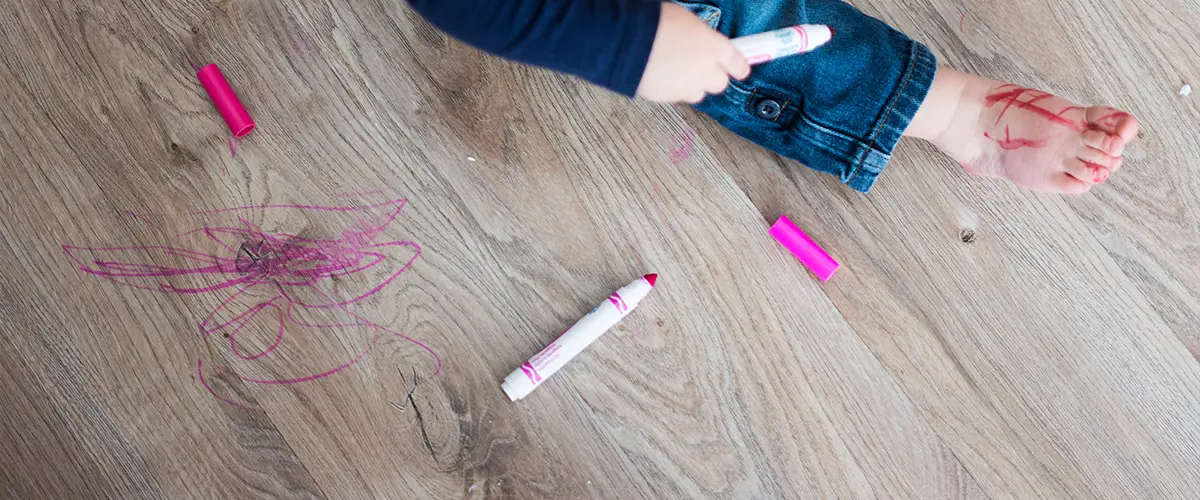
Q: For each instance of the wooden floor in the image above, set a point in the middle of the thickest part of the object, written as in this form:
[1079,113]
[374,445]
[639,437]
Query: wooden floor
[979,342]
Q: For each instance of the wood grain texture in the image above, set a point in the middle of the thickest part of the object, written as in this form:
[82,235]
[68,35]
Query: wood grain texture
[980,342]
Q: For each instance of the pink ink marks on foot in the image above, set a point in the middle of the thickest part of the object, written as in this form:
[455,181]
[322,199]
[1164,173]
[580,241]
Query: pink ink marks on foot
[268,278]
[1013,97]
[1099,172]
[1010,144]
[682,146]
[1109,122]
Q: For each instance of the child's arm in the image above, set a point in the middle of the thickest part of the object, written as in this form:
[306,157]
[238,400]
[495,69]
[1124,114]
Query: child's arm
[643,47]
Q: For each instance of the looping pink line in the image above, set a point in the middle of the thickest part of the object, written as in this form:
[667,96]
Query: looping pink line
[279,261]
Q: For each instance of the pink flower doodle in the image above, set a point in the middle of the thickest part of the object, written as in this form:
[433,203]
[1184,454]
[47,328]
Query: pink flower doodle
[270,283]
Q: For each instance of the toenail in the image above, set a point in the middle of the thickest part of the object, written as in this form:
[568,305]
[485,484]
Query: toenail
[967,235]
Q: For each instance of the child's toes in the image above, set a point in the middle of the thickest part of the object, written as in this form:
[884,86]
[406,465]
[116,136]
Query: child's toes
[1068,184]
[1085,171]
[1113,121]
[1097,157]
[1110,144]
[1127,128]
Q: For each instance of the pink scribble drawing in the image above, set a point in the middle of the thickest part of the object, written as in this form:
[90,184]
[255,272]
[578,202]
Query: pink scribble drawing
[682,146]
[273,286]
[232,148]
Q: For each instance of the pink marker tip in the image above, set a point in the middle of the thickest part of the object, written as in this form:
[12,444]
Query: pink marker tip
[651,278]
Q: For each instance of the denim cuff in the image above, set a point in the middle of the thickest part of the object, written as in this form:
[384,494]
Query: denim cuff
[855,152]
[840,109]
[872,156]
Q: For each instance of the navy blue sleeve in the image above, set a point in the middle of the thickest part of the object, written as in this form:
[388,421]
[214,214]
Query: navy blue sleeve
[606,42]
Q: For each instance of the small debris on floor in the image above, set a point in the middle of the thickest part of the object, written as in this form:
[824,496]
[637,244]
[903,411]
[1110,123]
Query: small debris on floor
[1186,90]
[470,158]
[472,488]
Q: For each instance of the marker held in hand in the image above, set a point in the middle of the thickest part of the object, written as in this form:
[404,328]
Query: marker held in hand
[771,45]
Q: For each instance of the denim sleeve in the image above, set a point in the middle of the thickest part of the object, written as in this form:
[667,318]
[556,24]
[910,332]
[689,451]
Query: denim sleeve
[606,42]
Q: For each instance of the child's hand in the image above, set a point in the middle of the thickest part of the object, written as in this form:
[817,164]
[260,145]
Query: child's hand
[689,60]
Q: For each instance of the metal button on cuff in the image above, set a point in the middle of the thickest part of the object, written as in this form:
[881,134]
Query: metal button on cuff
[768,109]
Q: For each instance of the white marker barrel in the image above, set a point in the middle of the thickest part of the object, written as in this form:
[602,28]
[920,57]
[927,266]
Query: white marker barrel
[763,47]
[542,365]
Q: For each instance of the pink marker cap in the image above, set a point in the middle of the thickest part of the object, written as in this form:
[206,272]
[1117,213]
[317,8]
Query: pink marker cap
[225,100]
[804,248]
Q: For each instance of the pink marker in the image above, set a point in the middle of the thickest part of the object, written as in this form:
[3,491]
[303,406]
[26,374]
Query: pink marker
[542,365]
[804,248]
[763,47]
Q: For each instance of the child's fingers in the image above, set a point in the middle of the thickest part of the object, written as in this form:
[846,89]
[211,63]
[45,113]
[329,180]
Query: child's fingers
[733,62]
[717,81]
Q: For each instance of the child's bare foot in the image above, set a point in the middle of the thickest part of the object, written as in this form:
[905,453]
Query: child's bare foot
[1032,138]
